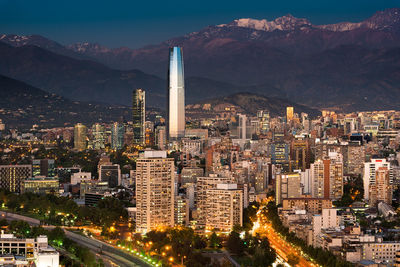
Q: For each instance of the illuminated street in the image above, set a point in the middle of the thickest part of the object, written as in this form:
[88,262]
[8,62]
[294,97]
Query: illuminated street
[281,246]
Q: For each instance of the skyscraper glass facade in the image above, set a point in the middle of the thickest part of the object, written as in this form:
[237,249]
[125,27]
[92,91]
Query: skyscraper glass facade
[176,94]
[138,115]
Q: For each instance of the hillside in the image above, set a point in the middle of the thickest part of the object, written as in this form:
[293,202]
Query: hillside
[247,103]
[22,105]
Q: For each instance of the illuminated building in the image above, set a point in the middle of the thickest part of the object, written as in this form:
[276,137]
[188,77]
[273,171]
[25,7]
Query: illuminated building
[80,136]
[287,186]
[98,136]
[117,135]
[41,185]
[370,169]
[181,210]
[327,177]
[155,177]
[12,177]
[289,114]
[161,137]
[381,190]
[176,95]
[138,115]
[43,167]
[225,207]
[204,184]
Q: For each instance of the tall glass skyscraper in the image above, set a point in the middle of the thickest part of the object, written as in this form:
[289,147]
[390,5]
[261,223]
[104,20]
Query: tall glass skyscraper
[176,95]
[117,135]
[138,115]
[80,136]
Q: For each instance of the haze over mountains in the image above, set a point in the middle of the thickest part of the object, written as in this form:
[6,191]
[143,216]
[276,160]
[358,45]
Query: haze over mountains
[348,66]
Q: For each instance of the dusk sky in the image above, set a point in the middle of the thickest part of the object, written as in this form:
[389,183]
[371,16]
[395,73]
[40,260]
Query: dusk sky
[137,23]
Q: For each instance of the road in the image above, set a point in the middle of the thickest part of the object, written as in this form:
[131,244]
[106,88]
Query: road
[281,246]
[110,255]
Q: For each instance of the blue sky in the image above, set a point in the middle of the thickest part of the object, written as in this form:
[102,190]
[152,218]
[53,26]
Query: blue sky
[137,23]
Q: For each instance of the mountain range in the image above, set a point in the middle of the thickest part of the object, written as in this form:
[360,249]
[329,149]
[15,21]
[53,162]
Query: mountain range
[22,105]
[345,66]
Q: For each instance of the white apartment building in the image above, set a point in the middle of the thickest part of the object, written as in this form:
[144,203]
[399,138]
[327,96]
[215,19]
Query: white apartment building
[225,207]
[155,175]
[370,169]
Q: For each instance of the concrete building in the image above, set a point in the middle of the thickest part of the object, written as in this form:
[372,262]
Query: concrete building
[155,176]
[42,185]
[181,210]
[311,205]
[370,169]
[12,177]
[78,177]
[225,207]
[287,186]
[327,176]
[381,190]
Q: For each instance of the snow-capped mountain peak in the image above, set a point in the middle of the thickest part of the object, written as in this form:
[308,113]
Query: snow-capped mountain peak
[285,23]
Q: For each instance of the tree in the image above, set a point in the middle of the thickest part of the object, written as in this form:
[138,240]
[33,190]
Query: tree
[293,260]
[234,244]
[214,241]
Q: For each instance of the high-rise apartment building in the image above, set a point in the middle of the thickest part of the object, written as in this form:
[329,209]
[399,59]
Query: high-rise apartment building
[381,190]
[288,185]
[181,210]
[117,135]
[204,184]
[370,169]
[264,119]
[176,95]
[139,116]
[161,137]
[155,176]
[225,207]
[12,177]
[327,177]
[80,136]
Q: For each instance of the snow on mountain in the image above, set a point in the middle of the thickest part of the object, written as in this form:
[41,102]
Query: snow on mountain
[87,47]
[285,23]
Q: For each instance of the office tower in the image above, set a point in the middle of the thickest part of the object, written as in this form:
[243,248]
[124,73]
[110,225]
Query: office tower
[289,114]
[327,176]
[264,119]
[109,172]
[204,184]
[280,154]
[98,136]
[138,115]
[117,135]
[12,177]
[155,176]
[370,169]
[43,167]
[300,154]
[176,95]
[288,185]
[161,137]
[381,190]
[225,207]
[80,136]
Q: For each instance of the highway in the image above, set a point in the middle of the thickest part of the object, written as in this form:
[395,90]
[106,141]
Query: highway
[281,246]
[111,256]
